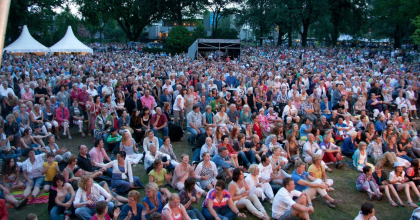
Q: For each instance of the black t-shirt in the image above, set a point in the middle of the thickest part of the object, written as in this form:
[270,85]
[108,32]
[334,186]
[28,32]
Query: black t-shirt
[201,140]
[42,91]
[84,163]
[338,107]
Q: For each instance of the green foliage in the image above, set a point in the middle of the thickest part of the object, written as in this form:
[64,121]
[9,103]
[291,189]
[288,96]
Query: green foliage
[62,21]
[113,31]
[199,32]
[416,34]
[36,14]
[227,33]
[179,39]
[131,16]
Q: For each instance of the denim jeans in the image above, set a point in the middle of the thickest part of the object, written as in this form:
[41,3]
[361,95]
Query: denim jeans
[406,158]
[26,150]
[164,130]
[242,159]
[196,155]
[224,212]
[15,154]
[57,210]
[194,213]
[104,139]
[87,213]
[194,134]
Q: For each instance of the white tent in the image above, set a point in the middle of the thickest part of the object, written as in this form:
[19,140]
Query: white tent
[69,43]
[26,44]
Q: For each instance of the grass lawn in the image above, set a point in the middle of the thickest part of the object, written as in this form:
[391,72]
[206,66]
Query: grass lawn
[344,185]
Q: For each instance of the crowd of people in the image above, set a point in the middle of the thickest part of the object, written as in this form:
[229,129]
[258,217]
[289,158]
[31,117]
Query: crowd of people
[249,120]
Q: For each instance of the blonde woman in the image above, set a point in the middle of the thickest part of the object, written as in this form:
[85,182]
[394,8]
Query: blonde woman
[174,210]
[153,200]
[221,118]
[261,189]
[37,118]
[88,194]
[128,144]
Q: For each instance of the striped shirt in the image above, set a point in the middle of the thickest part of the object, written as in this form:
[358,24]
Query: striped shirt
[307,105]
[216,204]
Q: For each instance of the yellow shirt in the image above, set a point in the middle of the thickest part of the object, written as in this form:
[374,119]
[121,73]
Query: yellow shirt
[49,175]
[316,171]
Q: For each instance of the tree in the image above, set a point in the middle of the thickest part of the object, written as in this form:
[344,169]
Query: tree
[36,14]
[416,34]
[308,11]
[62,21]
[218,10]
[179,39]
[131,15]
[113,31]
[227,33]
[177,9]
[199,32]
[396,14]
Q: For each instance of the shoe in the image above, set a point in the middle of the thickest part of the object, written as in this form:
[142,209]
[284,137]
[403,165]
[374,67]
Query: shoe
[411,118]
[417,117]
[336,201]
[338,165]
[70,137]
[401,204]
[21,203]
[413,204]
[379,198]
[329,204]
[83,135]
[393,203]
[371,195]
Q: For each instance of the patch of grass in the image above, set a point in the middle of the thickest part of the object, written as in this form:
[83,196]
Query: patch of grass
[344,185]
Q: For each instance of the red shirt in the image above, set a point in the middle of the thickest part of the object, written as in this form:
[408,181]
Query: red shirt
[229,148]
[257,129]
[161,121]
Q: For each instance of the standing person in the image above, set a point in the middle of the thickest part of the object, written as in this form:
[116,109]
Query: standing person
[87,196]
[218,204]
[285,207]
[95,111]
[179,108]
[367,213]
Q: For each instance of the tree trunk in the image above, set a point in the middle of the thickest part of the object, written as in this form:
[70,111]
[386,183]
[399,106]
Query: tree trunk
[279,40]
[179,17]
[397,37]
[289,35]
[305,24]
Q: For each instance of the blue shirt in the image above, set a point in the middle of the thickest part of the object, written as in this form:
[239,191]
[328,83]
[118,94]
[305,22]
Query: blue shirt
[302,131]
[380,126]
[348,145]
[296,177]
[219,161]
[231,81]
[126,208]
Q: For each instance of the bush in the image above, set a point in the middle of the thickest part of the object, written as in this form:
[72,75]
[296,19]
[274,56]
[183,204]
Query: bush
[179,39]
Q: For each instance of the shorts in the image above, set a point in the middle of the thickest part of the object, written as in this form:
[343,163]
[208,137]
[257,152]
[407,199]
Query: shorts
[38,181]
[395,187]
[47,183]
[287,215]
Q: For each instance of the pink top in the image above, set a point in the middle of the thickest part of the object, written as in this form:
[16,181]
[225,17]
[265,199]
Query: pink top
[148,102]
[59,114]
[96,218]
[28,96]
[264,121]
[98,155]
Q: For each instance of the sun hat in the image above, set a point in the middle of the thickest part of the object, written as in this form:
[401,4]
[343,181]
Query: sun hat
[398,164]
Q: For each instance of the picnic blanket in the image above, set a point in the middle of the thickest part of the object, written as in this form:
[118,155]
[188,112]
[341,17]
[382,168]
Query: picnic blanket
[41,198]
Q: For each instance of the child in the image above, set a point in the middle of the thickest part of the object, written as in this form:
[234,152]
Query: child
[49,169]
[113,140]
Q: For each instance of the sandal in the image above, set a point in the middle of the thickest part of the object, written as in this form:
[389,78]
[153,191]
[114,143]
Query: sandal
[393,203]
[371,195]
[401,204]
[329,204]
[413,204]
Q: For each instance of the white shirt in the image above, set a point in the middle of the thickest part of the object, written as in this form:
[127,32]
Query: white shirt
[311,147]
[4,92]
[149,158]
[169,88]
[283,201]
[265,172]
[360,217]
[393,177]
[97,193]
[34,170]
[93,92]
[181,99]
